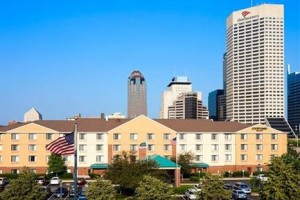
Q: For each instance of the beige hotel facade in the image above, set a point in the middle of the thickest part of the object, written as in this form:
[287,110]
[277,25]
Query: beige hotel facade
[223,146]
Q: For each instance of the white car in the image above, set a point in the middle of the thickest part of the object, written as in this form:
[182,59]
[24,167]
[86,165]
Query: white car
[55,180]
[262,177]
[191,194]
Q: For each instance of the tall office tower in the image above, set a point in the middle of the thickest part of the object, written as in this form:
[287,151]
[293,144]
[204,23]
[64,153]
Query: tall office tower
[217,105]
[177,86]
[254,64]
[137,95]
[188,106]
[293,100]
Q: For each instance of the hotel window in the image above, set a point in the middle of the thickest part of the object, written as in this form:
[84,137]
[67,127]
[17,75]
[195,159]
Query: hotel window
[14,136]
[259,136]
[133,147]
[167,136]
[228,157]
[182,136]
[15,171]
[99,136]
[150,136]
[167,147]
[133,136]
[259,157]
[244,136]
[82,159]
[244,157]
[32,136]
[99,147]
[49,136]
[66,157]
[116,147]
[215,147]
[14,159]
[33,170]
[259,147]
[31,158]
[198,136]
[99,158]
[14,147]
[0,147]
[0,158]
[244,146]
[199,157]
[214,136]
[199,147]
[47,158]
[82,136]
[274,136]
[82,147]
[214,158]
[1,172]
[274,147]
[117,136]
[151,147]
[273,155]
[183,147]
[228,147]
[228,136]
[32,147]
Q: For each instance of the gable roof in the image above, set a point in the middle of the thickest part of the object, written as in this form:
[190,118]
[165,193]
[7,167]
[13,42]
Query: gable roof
[202,125]
[163,163]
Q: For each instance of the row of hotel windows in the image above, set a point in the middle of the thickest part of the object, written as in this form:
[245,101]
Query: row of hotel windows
[33,158]
[150,136]
[228,157]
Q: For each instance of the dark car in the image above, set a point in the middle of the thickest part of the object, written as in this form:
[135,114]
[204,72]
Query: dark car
[81,182]
[61,192]
[228,187]
[41,180]
[4,181]
[72,191]
[82,196]
[242,186]
[239,194]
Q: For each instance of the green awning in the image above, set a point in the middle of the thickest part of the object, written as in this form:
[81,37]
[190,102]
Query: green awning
[163,163]
[99,166]
[199,165]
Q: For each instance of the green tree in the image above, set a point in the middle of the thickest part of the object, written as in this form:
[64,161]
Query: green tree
[151,188]
[127,171]
[101,190]
[283,180]
[185,161]
[24,187]
[212,188]
[56,164]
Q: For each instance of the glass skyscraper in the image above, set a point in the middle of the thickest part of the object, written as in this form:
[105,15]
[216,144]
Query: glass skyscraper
[294,100]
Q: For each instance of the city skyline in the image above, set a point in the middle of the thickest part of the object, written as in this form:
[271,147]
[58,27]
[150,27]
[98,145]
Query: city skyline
[65,59]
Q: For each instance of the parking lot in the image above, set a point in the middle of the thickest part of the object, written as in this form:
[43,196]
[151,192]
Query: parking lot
[66,185]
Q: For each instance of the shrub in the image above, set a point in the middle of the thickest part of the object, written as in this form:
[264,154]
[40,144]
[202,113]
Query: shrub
[94,176]
[194,178]
[66,176]
[10,175]
[181,189]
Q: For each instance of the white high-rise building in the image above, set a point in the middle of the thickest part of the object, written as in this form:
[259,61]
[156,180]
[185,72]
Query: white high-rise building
[255,64]
[178,85]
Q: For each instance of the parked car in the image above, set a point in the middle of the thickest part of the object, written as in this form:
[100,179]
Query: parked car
[242,186]
[81,181]
[197,187]
[262,177]
[239,194]
[72,191]
[191,194]
[4,181]
[55,180]
[228,187]
[82,196]
[60,192]
[41,180]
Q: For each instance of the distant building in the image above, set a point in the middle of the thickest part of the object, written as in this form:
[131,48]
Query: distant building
[255,64]
[188,106]
[217,105]
[137,95]
[116,116]
[32,115]
[294,100]
[178,85]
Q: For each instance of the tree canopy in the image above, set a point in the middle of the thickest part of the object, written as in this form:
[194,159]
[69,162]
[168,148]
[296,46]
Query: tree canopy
[127,171]
[151,188]
[56,164]
[185,161]
[24,187]
[101,190]
[212,188]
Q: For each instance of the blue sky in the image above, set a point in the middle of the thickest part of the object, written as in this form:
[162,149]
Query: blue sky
[65,57]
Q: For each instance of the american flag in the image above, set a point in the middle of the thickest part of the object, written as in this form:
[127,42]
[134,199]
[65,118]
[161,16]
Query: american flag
[173,141]
[62,145]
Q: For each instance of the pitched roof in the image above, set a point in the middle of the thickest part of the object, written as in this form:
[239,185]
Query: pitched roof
[163,162]
[202,125]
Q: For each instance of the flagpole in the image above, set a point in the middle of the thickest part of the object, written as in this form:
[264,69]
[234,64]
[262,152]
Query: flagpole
[75,159]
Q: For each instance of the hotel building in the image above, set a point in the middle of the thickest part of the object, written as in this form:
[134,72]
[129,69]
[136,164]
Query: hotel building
[255,64]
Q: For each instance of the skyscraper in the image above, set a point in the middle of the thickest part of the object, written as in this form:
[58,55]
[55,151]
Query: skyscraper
[255,64]
[178,85]
[293,100]
[217,105]
[137,95]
